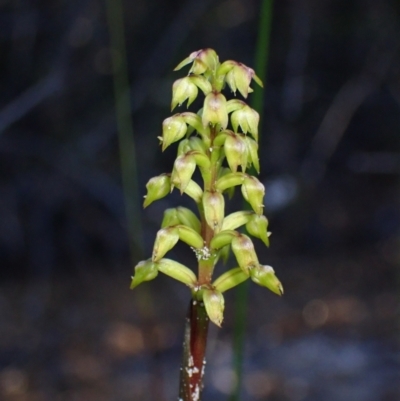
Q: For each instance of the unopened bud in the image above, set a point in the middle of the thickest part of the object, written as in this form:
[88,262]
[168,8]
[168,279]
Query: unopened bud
[145,270]
[244,251]
[239,76]
[170,218]
[236,220]
[230,279]
[188,218]
[258,227]
[214,304]
[183,89]
[236,152]
[253,192]
[184,167]
[157,188]
[222,239]
[190,236]
[177,271]
[194,191]
[203,60]
[214,209]
[174,128]
[265,276]
[165,240]
[229,180]
[247,118]
[214,110]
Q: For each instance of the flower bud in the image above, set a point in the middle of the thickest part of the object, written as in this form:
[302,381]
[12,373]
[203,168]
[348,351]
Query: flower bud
[247,119]
[223,254]
[184,167]
[157,188]
[190,236]
[252,147]
[235,104]
[183,147]
[214,110]
[188,218]
[243,248]
[170,218]
[230,279]
[214,304]
[202,83]
[203,60]
[236,220]
[177,271]
[214,209]
[229,180]
[239,76]
[222,239]
[258,227]
[265,276]
[253,191]
[194,191]
[194,121]
[236,152]
[174,128]
[165,240]
[183,89]
[145,270]
[197,145]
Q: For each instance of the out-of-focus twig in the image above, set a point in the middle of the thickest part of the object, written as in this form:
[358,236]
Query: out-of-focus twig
[34,95]
[339,114]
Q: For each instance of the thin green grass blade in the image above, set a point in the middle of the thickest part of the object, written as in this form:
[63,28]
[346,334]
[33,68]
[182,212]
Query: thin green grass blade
[125,127]
[257,102]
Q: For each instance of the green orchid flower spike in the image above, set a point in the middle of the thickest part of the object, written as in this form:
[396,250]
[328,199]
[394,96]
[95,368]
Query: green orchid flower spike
[220,142]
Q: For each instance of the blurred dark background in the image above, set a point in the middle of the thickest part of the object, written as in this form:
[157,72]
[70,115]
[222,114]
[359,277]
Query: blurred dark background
[70,329]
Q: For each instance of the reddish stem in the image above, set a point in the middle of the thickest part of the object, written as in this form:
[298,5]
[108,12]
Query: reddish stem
[194,349]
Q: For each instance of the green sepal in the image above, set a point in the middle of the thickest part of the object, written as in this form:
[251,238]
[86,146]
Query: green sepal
[230,279]
[265,276]
[252,147]
[145,270]
[177,271]
[235,104]
[214,303]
